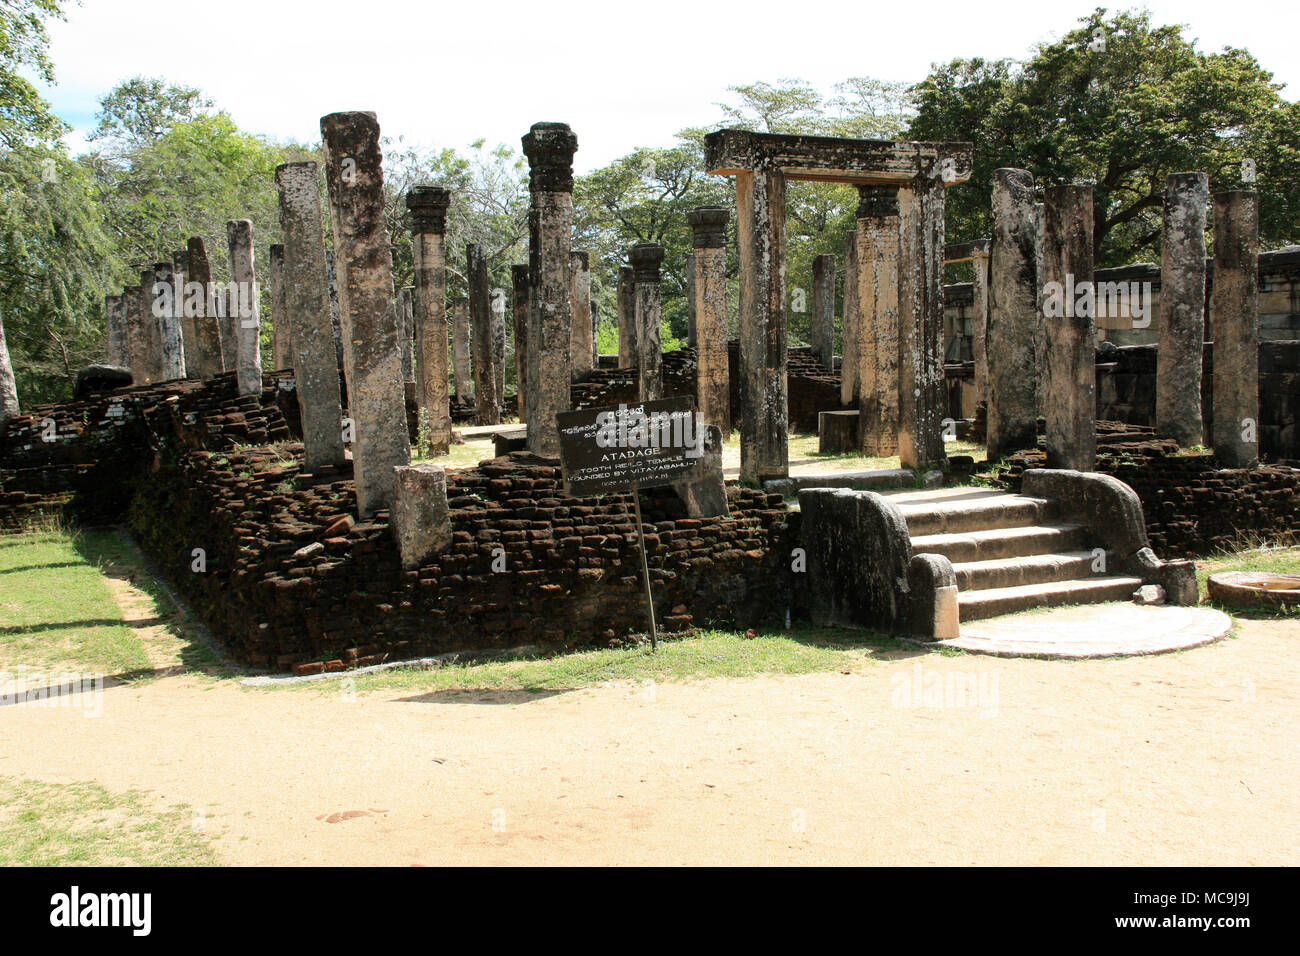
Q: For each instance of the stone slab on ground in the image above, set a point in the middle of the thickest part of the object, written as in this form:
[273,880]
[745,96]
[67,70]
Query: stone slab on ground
[1090,631]
[873,480]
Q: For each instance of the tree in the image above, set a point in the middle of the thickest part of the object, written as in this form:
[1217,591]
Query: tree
[1117,103]
[138,112]
[25,118]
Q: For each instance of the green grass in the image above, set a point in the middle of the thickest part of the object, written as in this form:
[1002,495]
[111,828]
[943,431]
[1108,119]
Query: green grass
[708,654]
[56,610]
[82,824]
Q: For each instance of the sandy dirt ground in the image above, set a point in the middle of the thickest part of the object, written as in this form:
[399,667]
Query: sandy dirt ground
[1187,758]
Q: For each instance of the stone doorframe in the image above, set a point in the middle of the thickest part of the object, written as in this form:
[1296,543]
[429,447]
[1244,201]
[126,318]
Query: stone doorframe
[762,164]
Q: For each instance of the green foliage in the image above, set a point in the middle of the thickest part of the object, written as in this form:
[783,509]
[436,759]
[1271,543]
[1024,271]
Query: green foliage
[25,118]
[1119,118]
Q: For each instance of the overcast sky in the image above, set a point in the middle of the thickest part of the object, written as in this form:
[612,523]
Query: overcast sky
[622,74]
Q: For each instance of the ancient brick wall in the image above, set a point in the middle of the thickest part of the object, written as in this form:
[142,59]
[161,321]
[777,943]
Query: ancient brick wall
[290,579]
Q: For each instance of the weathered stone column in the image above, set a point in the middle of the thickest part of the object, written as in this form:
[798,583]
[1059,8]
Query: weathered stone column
[462,345]
[519,294]
[281,347]
[9,407]
[1069,369]
[151,330]
[922,393]
[851,327]
[580,349]
[367,312]
[248,367]
[115,328]
[626,317]
[821,321]
[497,311]
[137,335]
[595,334]
[1182,309]
[877,295]
[764,409]
[421,518]
[207,327]
[487,402]
[406,331]
[692,337]
[307,314]
[226,310]
[1014,364]
[189,326]
[1234,323]
[428,209]
[980,307]
[167,314]
[713,385]
[549,148]
[646,258]
[1040,340]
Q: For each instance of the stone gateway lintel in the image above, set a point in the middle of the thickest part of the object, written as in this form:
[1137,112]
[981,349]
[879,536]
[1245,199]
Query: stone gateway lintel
[835,160]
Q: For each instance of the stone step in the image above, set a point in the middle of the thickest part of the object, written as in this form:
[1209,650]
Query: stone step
[1002,542]
[955,515]
[974,605]
[1029,569]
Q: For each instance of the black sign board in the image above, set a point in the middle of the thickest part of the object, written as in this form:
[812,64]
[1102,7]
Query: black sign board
[639,444]
[622,447]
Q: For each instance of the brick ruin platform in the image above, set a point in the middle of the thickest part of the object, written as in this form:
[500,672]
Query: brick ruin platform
[291,580]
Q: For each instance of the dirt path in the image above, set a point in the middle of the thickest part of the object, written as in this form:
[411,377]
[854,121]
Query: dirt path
[1177,759]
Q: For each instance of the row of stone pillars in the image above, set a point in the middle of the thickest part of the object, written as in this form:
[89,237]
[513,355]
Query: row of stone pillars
[1040,354]
[178,324]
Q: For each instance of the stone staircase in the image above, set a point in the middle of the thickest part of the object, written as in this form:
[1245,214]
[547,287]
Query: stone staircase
[1009,552]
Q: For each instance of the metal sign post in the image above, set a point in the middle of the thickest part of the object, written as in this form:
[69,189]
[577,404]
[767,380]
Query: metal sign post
[645,566]
[625,446]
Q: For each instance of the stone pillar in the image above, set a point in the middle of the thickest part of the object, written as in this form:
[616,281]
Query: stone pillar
[821,322]
[220,305]
[248,359]
[428,210]
[580,340]
[334,314]
[487,402]
[1182,309]
[1014,363]
[1234,320]
[922,390]
[462,339]
[115,329]
[980,307]
[877,294]
[367,312]
[764,409]
[646,258]
[626,317]
[1070,363]
[851,357]
[167,315]
[207,327]
[9,408]
[137,334]
[421,518]
[692,338]
[1040,341]
[281,349]
[519,295]
[549,148]
[307,313]
[497,312]
[595,334]
[188,323]
[709,261]
[151,326]
[406,331]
